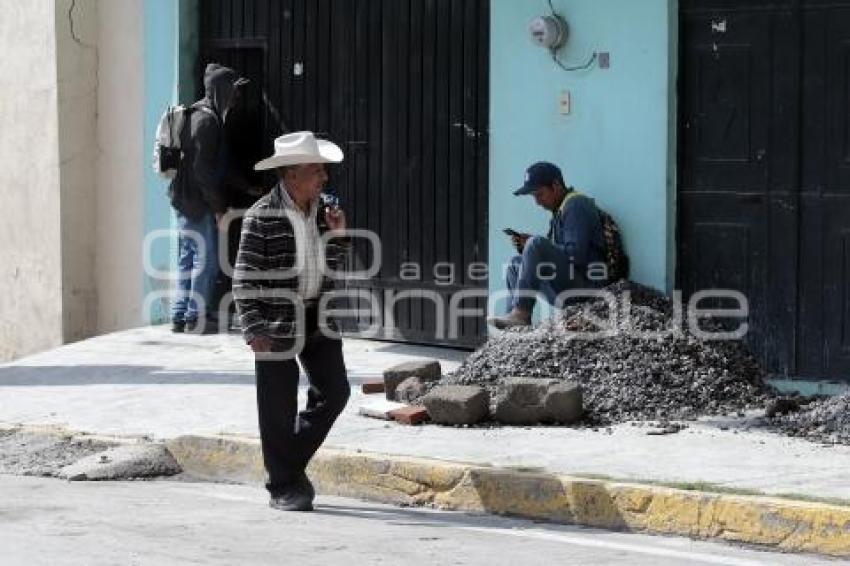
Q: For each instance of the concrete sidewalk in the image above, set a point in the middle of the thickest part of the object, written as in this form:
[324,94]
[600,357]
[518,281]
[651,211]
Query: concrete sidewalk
[150,382]
[197,394]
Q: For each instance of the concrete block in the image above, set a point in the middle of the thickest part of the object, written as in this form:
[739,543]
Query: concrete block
[457,404]
[410,389]
[520,401]
[563,403]
[410,415]
[426,370]
[123,462]
[372,386]
[528,401]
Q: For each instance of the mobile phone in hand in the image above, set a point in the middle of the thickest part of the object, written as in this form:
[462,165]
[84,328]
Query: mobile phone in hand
[329,198]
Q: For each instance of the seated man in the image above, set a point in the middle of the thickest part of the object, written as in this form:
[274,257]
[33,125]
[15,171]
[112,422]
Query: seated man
[560,261]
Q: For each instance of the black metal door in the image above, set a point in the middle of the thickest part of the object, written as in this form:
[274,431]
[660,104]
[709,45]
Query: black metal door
[824,340]
[753,214]
[402,86]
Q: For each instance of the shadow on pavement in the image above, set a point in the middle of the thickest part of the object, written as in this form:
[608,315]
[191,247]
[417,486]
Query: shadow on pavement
[420,351]
[416,516]
[40,376]
[115,375]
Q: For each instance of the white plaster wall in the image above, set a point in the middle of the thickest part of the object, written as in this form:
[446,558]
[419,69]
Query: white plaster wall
[77,76]
[30,270]
[71,182]
[120,176]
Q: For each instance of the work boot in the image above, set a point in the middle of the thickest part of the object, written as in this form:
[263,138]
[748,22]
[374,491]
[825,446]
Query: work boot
[514,319]
[178,326]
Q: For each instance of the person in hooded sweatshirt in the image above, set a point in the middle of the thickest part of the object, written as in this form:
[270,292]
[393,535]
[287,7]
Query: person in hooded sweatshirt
[197,196]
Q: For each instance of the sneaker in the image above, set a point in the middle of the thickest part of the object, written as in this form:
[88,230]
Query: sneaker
[292,500]
[514,319]
[178,326]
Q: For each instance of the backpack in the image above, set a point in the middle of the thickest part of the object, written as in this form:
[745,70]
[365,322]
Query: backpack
[167,147]
[615,254]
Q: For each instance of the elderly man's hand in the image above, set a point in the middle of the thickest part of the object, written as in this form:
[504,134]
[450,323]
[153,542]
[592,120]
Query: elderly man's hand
[335,217]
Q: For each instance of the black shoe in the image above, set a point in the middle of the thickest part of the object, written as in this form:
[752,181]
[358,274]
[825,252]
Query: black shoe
[292,500]
[178,326]
[306,486]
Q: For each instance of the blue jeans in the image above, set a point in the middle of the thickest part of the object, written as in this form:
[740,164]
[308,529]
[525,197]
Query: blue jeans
[197,268]
[541,268]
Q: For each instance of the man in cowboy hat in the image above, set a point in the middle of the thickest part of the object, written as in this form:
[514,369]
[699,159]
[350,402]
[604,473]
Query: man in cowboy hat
[278,281]
[560,261]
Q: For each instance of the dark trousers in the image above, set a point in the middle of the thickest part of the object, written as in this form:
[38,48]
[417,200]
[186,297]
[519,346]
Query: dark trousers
[289,438]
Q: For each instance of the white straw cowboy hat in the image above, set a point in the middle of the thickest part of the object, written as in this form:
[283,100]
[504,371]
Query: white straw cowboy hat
[298,148]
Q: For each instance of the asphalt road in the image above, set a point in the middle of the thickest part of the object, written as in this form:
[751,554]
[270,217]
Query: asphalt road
[48,521]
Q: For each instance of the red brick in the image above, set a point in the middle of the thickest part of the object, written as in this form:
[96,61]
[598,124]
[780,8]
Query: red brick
[411,415]
[373,386]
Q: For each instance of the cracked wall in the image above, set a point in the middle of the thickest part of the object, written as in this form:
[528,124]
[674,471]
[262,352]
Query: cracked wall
[30,273]
[70,171]
[77,78]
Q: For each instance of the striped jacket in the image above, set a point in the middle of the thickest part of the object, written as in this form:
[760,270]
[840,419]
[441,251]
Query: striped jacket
[266,266]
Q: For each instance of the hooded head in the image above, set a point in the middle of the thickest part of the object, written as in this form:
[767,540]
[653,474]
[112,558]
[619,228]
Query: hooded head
[219,83]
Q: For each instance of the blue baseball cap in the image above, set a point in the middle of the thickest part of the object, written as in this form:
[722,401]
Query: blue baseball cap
[538,175]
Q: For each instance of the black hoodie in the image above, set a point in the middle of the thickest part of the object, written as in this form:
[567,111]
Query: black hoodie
[197,188]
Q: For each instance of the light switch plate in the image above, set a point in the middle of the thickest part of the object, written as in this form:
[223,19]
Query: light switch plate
[564,103]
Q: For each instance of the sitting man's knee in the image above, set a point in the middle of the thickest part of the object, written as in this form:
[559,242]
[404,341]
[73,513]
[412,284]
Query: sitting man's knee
[534,243]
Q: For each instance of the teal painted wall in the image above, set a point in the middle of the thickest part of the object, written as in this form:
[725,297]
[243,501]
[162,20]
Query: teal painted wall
[616,145]
[160,35]
[171,46]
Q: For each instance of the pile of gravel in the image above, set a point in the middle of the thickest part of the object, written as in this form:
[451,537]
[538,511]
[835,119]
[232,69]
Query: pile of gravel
[821,420]
[625,377]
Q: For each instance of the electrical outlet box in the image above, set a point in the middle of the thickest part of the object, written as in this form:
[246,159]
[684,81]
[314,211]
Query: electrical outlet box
[604,60]
[564,103]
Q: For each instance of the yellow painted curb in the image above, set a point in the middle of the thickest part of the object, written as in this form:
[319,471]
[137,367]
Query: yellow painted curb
[787,525]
